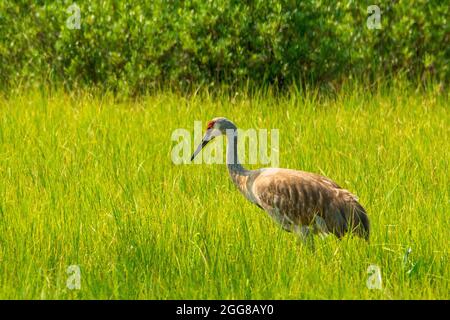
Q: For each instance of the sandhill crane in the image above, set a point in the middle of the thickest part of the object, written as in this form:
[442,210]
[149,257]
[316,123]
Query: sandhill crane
[301,202]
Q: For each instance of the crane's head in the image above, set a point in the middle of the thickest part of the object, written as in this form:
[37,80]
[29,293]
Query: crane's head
[216,127]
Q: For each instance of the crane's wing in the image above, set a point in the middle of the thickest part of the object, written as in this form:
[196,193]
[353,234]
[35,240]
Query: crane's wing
[298,197]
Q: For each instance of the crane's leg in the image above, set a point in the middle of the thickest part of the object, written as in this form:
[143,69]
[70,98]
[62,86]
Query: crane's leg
[320,227]
[305,235]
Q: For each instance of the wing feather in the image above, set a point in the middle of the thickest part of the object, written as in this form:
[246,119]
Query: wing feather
[299,196]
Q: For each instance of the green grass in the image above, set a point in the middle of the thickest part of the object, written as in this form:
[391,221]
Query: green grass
[89,181]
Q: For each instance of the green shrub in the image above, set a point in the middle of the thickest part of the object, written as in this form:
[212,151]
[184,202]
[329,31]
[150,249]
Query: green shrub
[134,46]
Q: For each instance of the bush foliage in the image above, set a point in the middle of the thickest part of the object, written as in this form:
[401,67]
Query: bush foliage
[136,45]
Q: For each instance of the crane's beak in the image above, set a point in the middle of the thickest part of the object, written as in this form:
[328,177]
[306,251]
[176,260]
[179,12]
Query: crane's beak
[209,136]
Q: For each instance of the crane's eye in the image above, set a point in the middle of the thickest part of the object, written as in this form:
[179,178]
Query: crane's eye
[210,125]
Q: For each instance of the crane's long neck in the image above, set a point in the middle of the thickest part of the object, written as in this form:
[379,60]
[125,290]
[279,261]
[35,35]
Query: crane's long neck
[237,172]
[233,163]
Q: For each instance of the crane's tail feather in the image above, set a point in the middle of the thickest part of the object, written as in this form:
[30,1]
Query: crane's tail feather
[358,221]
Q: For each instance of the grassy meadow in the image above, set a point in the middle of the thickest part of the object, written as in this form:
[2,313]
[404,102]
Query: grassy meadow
[88,180]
